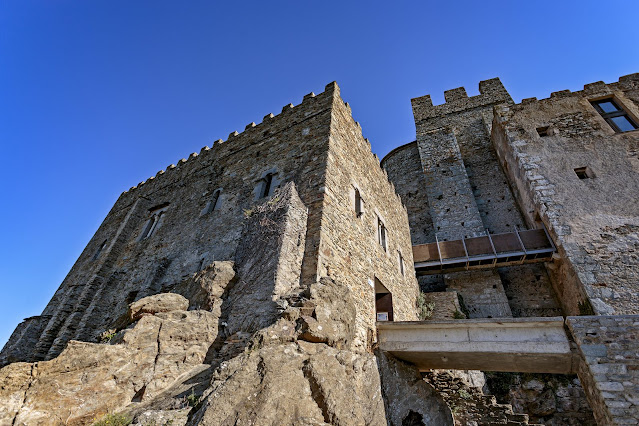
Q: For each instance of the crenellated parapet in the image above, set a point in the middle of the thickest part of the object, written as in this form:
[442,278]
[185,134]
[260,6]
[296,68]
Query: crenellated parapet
[271,124]
[491,92]
[591,91]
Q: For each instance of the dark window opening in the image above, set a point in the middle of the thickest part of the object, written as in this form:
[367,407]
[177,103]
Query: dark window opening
[358,203]
[401,262]
[213,203]
[542,131]
[583,173]
[381,233]
[413,419]
[614,115]
[383,302]
[153,221]
[102,247]
[267,181]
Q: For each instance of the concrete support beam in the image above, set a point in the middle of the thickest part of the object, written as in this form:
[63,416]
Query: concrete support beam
[533,345]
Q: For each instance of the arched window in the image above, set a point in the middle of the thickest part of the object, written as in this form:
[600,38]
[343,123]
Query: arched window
[214,203]
[153,222]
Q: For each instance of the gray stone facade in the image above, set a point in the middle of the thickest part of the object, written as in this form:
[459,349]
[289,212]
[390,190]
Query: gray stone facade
[609,367]
[289,239]
[317,145]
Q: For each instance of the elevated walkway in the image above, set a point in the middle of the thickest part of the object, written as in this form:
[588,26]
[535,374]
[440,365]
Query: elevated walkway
[488,251]
[527,345]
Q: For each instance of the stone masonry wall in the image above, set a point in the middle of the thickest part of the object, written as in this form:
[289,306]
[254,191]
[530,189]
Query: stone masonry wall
[609,368]
[404,169]
[491,202]
[350,251]
[594,221]
[293,146]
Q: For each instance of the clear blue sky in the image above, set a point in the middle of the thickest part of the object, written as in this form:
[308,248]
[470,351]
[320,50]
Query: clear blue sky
[96,96]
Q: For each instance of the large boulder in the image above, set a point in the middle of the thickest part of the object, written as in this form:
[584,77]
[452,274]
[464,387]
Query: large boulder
[151,305]
[206,288]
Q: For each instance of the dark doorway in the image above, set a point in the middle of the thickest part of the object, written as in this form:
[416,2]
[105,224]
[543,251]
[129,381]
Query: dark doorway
[383,302]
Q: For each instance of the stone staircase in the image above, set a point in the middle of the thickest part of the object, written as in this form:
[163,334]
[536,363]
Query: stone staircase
[470,406]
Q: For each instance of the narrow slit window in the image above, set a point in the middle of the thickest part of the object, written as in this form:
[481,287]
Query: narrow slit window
[267,183]
[102,247]
[381,233]
[401,262]
[213,203]
[153,222]
[614,115]
[359,208]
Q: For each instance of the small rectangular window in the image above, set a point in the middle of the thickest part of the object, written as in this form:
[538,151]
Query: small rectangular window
[381,233]
[102,247]
[614,115]
[583,173]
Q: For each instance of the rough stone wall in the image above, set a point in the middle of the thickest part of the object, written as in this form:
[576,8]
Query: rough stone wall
[465,193]
[404,169]
[593,221]
[349,249]
[403,166]
[548,399]
[443,305]
[304,144]
[292,145]
[268,261]
[452,203]
[469,405]
[609,368]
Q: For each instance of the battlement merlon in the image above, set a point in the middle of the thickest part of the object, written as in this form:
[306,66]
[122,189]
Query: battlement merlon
[491,92]
[271,124]
[597,90]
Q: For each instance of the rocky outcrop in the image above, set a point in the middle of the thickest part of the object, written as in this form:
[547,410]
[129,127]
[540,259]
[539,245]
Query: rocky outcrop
[165,367]
[87,380]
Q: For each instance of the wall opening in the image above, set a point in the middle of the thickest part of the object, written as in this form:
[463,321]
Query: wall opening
[267,182]
[155,215]
[359,208]
[383,302]
[102,247]
[213,203]
[543,131]
[584,173]
[615,115]
[381,233]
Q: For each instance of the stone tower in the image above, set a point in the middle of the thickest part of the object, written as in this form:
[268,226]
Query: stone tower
[286,276]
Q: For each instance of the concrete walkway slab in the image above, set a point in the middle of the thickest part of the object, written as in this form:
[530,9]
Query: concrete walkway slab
[534,345]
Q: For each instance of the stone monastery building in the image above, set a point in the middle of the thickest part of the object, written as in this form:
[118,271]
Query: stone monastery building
[288,276]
